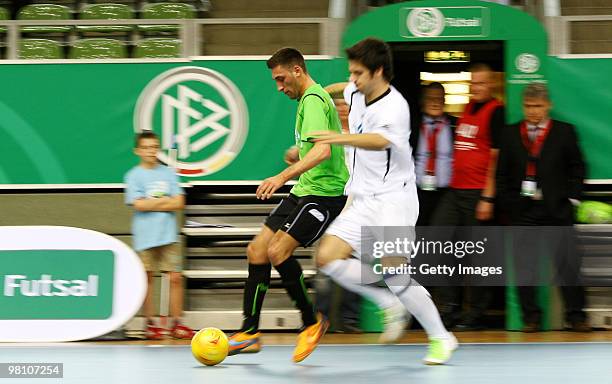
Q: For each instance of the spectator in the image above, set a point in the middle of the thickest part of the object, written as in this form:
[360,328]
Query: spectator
[470,198]
[540,171]
[433,150]
[153,190]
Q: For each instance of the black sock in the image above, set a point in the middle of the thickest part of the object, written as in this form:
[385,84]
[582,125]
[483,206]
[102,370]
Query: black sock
[255,289]
[293,280]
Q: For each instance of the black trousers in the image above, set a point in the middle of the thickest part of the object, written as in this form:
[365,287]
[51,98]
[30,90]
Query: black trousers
[457,208]
[428,202]
[566,265]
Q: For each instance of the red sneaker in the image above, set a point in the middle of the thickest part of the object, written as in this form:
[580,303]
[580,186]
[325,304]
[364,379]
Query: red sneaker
[154,333]
[180,331]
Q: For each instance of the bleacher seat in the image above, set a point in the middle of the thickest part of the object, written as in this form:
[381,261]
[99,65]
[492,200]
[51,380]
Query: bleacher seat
[158,48]
[98,49]
[34,49]
[68,3]
[45,12]
[4,15]
[107,11]
[166,11]
[131,3]
[203,5]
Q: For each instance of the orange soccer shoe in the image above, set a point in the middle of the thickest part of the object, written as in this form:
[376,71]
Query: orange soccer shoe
[309,338]
[242,342]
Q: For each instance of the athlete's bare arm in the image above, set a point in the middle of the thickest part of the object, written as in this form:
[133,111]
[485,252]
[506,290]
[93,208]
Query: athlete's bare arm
[372,141]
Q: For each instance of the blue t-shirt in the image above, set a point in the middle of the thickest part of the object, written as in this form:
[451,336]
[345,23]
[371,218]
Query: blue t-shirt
[152,229]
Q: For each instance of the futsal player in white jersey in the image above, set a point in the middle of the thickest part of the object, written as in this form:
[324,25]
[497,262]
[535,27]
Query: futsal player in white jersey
[382,184]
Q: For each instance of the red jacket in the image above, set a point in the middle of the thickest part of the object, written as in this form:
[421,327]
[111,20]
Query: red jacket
[472,147]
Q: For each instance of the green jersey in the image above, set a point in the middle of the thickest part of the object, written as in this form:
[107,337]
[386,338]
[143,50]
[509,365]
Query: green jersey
[316,112]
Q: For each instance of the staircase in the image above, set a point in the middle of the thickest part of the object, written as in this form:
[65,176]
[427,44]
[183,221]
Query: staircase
[216,263]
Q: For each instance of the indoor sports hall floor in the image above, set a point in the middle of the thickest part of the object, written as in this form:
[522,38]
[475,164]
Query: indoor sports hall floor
[485,357]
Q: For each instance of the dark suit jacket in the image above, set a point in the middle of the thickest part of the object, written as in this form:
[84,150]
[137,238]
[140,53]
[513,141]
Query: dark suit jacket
[560,171]
[415,131]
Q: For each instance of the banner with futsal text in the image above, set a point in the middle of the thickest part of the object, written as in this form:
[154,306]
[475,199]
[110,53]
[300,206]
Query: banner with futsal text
[64,283]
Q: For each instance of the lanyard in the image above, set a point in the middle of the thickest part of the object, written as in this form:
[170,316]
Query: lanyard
[534,147]
[431,139]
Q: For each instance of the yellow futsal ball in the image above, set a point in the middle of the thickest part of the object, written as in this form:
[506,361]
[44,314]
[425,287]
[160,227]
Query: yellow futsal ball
[210,346]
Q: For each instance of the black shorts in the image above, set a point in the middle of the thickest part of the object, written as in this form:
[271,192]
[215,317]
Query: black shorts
[305,218]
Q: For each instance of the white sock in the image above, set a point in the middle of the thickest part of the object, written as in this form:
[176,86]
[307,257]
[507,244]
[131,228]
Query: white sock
[417,301]
[352,275]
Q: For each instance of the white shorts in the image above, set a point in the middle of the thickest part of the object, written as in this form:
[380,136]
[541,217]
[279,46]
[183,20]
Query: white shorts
[394,209]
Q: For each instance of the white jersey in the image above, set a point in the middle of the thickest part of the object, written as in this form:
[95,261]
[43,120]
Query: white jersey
[380,172]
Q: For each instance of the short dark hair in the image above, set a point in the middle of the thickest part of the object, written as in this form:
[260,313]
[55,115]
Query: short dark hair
[434,86]
[373,54]
[480,67]
[287,57]
[536,91]
[144,135]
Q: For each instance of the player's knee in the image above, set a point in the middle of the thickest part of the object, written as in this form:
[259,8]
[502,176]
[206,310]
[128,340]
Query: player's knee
[324,256]
[277,253]
[256,253]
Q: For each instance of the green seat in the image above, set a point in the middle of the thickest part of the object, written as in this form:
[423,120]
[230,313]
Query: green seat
[166,11]
[158,48]
[45,12]
[106,12]
[35,49]
[98,49]
[4,15]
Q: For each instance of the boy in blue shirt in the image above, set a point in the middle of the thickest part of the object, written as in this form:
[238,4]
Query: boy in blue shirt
[154,192]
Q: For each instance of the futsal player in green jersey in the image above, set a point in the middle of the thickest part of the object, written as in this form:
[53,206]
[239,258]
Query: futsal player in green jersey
[300,219]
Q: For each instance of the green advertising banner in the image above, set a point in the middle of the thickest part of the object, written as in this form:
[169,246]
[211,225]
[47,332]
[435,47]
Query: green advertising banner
[56,284]
[582,95]
[74,123]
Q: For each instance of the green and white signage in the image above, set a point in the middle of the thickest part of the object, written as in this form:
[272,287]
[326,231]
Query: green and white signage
[56,284]
[74,123]
[62,283]
[417,22]
[199,113]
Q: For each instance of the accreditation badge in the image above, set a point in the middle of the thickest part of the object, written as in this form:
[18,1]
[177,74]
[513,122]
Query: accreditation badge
[429,183]
[529,188]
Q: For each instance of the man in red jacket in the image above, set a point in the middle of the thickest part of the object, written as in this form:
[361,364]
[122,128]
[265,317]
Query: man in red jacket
[472,187]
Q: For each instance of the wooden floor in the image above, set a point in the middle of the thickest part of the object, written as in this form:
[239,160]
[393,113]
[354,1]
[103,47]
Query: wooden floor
[414,337]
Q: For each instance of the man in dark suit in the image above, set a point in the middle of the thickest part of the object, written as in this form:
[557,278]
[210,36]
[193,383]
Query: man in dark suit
[432,143]
[539,177]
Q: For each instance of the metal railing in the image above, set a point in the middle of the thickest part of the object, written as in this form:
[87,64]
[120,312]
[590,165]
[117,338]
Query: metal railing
[190,30]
